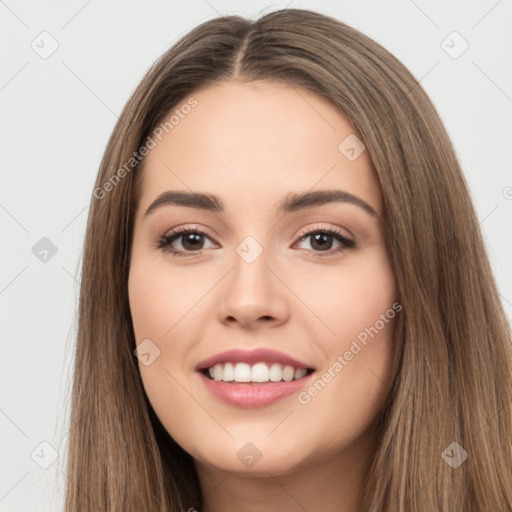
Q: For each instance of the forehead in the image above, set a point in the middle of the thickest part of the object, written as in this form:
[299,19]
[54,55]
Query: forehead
[255,142]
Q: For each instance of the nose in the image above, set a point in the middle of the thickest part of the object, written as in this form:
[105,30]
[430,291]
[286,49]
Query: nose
[253,295]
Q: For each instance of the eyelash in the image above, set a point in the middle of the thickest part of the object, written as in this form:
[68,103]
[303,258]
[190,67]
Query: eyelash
[166,240]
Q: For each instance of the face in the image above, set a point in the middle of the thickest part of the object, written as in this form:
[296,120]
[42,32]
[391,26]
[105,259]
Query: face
[265,317]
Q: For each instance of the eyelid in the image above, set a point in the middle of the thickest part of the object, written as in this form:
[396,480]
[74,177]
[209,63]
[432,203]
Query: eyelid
[332,228]
[186,228]
[305,231]
[335,231]
[182,230]
[348,242]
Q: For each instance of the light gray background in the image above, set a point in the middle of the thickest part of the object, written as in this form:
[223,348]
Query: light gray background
[57,114]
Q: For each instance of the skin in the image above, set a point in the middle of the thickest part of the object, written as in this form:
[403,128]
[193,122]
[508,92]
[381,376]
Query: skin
[252,145]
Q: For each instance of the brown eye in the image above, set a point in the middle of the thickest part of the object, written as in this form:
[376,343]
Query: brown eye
[322,240]
[190,240]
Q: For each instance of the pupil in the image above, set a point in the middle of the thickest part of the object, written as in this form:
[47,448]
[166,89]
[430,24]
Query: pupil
[194,243]
[319,237]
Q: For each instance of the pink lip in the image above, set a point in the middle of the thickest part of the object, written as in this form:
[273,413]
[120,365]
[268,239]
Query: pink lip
[253,395]
[251,357]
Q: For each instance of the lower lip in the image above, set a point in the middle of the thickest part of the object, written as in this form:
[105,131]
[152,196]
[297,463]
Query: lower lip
[253,395]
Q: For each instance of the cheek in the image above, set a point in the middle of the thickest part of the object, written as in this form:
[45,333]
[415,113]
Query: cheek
[351,300]
[360,310]
[158,299]
[157,305]
[351,389]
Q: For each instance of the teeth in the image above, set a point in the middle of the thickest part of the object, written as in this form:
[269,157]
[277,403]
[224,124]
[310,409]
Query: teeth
[229,372]
[288,373]
[299,373]
[259,372]
[217,372]
[276,372]
[242,372]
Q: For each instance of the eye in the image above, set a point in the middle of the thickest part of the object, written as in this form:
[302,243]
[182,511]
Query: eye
[322,240]
[191,240]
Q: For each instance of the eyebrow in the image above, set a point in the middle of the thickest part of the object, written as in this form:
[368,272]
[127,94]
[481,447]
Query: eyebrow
[291,203]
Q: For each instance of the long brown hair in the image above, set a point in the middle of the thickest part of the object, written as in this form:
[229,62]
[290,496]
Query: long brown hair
[452,371]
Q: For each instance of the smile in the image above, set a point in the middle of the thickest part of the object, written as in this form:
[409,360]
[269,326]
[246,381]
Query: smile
[255,378]
[260,372]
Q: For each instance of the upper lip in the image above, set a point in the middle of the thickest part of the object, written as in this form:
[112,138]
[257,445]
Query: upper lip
[250,357]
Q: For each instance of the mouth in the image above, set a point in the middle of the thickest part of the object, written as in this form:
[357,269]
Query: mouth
[251,379]
[262,372]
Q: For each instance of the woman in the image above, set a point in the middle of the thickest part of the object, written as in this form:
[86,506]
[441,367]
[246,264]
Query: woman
[286,302]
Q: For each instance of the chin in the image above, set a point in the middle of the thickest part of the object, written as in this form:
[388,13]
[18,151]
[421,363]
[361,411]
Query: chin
[254,459]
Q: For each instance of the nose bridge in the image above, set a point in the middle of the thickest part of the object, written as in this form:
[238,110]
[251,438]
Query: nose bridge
[251,266]
[252,290]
